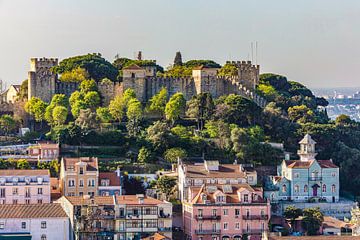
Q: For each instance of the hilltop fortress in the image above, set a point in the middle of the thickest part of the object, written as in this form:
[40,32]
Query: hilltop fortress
[43,83]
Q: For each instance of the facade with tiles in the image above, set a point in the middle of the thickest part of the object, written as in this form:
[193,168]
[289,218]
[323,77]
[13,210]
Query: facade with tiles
[79,176]
[24,186]
[306,179]
[211,172]
[35,221]
[217,212]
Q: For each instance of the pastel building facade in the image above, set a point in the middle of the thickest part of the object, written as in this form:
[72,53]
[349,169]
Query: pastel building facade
[79,176]
[212,172]
[218,212]
[24,186]
[306,179]
[34,221]
[110,183]
[44,152]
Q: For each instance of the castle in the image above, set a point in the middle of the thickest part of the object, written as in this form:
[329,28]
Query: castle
[43,83]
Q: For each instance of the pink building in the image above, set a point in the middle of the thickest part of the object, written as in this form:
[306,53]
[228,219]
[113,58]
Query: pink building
[44,151]
[218,212]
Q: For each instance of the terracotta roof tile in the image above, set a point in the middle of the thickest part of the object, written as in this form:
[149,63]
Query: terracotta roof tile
[322,237]
[92,162]
[133,200]
[327,164]
[112,176]
[98,200]
[24,172]
[156,236]
[225,171]
[45,210]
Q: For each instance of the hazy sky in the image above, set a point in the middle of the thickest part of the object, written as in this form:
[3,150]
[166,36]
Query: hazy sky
[316,42]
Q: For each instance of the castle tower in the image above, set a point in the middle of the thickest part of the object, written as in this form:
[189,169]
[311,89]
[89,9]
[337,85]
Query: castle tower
[135,77]
[307,149]
[205,80]
[248,73]
[41,80]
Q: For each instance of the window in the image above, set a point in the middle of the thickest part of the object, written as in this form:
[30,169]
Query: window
[2,225]
[71,183]
[15,191]
[297,175]
[81,183]
[237,225]
[81,171]
[247,212]
[262,212]
[225,212]
[15,201]
[237,212]
[91,194]
[43,237]
[214,212]
[284,188]
[333,188]
[39,180]
[81,194]
[246,198]
[296,189]
[306,189]
[333,174]
[200,212]
[225,226]
[23,225]
[27,201]
[251,178]
[2,192]
[40,191]
[39,201]
[43,224]
[105,182]
[324,188]
[91,182]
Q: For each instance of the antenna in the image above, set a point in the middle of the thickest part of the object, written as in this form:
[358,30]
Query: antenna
[256,52]
[252,52]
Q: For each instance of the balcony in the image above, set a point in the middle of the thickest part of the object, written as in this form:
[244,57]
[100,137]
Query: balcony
[207,217]
[164,215]
[208,232]
[315,178]
[255,217]
[164,229]
[253,231]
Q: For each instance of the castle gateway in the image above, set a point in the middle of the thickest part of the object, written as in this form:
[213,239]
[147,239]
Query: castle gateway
[43,83]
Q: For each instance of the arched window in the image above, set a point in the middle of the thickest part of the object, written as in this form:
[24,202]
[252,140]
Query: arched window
[333,188]
[306,189]
[43,237]
[324,188]
[296,189]
[284,188]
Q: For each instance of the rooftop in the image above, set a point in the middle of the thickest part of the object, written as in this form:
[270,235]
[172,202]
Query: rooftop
[92,162]
[225,171]
[45,210]
[307,140]
[307,164]
[111,176]
[87,200]
[24,172]
[134,200]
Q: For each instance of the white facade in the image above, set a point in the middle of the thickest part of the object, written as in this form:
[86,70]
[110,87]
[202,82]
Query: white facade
[39,228]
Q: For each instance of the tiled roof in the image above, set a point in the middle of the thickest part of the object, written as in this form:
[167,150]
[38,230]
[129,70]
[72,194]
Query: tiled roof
[48,145]
[225,171]
[92,162]
[307,164]
[133,67]
[307,140]
[321,237]
[133,200]
[112,176]
[45,210]
[331,222]
[327,164]
[24,172]
[97,200]
[156,236]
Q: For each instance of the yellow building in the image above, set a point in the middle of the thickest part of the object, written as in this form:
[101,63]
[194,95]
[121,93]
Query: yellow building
[79,176]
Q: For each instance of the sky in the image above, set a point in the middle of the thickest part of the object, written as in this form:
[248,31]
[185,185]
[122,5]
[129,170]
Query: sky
[315,42]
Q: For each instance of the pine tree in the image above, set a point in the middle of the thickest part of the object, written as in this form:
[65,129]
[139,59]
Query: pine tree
[178,59]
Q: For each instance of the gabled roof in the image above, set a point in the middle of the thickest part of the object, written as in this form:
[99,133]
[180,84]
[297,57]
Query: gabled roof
[307,140]
[134,200]
[225,171]
[307,164]
[111,176]
[85,200]
[45,210]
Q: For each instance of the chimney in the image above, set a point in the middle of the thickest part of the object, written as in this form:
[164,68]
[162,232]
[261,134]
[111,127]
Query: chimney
[287,156]
[118,172]
[140,198]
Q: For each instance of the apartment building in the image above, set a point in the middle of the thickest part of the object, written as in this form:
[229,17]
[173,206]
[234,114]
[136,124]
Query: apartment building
[79,176]
[46,221]
[24,186]
[219,212]
[110,183]
[44,151]
[212,172]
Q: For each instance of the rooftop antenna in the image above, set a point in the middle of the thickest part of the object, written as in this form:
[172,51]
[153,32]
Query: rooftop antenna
[256,52]
[252,52]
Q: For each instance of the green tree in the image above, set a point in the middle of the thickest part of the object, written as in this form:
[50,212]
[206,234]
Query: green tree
[134,114]
[7,123]
[75,75]
[301,114]
[53,166]
[92,99]
[228,70]
[59,115]
[22,95]
[175,107]
[178,59]
[4,164]
[118,105]
[181,132]
[22,164]
[86,119]
[158,102]
[88,86]
[145,155]
[171,155]
[312,221]
[291,212]
[166,185]
[343,119]
[103,113]
[58,100]
[158,134]
[36,107]
[201,107]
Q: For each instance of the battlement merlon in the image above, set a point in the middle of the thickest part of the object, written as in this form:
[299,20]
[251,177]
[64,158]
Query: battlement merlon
[244,64]
[42,62]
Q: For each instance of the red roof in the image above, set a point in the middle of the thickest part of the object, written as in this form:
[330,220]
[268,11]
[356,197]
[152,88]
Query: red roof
[111,176]
[307,164]
[45,210]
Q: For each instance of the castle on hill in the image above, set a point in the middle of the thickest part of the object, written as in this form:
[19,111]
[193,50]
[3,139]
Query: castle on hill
[43,83]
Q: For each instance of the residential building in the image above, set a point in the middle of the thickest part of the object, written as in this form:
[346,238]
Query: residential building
[11,93]
[218,212]
[79,176]
[24,186]
[156,236]
[46,221]
[90,217]
[110,183]
[212,172]
[44,152]
[139,216]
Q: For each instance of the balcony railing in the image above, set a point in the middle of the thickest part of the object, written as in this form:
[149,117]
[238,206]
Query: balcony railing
[253,231]
[208,217]
[164,215]
[207,232]
[255,217]
[164,229]
[315,178]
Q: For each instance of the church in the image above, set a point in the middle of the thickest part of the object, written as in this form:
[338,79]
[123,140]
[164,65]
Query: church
[305,180]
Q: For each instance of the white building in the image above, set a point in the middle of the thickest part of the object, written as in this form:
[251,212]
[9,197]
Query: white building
[24,186]
[37,222]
